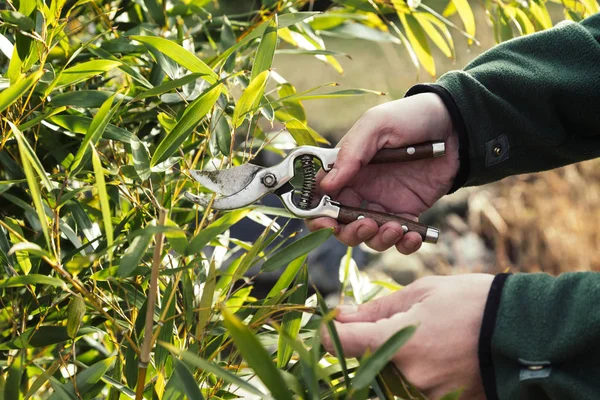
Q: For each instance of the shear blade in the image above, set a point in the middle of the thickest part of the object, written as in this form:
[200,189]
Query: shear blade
[227,181]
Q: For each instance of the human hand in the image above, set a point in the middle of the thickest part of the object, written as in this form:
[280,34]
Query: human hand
[442,355]
[407,188]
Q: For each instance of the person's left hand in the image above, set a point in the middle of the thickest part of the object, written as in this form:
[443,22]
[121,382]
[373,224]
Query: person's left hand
[442,355]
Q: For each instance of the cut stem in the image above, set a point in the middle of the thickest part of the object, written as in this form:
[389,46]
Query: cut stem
[152,291]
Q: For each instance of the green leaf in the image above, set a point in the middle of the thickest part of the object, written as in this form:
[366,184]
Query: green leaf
[335,338]
[141,158]
[192,359]
[250,98]
[43,336]
[86,379]
[17,19]
[15,91]
[191,117]
[300,133]
[180,55]
[84,71]
[133,255]
[188,384]
[168,86]
[81,125]
[103,196]
[296,249]
[75,314]
[166,330]
[31,279]
[13,378]
[369,369]
[256,356]
[429,23]
[292,320]
[176,238]
[206,300]
[43,378]
[266,49]
[27,161]
[216,228]
[83,98]
[94,132]
[284,21]
[221,134]
[332,95]
[287,277]
[418,41]
[466,15]
[27,151]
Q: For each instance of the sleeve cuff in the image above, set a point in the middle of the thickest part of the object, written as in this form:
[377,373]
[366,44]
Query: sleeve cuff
[459,127]
[486,364]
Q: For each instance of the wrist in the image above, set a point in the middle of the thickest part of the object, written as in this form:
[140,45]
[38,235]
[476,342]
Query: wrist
[457,130]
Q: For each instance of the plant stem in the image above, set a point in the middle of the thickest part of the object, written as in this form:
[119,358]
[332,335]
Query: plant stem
[147,345]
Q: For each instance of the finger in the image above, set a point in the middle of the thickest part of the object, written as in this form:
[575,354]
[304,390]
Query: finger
[357,338]
[352,337]
[388,234]
[357,232]
[383,307]
[357,148]
[409,243]
[314,224]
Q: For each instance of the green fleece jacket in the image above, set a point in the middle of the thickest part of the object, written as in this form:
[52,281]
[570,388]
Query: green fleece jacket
[532,104]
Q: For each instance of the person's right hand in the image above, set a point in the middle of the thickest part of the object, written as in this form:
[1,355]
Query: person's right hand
[407,188]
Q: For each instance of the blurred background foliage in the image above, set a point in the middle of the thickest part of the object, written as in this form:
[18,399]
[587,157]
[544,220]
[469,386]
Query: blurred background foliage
[114,285]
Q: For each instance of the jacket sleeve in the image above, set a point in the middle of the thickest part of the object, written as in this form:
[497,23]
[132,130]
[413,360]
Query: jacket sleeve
[526,105]
[541,337]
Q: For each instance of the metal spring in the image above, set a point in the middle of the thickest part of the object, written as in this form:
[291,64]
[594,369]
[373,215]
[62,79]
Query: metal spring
[309,182]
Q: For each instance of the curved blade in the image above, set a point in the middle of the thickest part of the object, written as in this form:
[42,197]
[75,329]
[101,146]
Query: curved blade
[227,181]
[248,195]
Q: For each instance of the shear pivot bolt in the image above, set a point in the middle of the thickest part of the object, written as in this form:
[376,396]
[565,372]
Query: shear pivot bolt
[269,180]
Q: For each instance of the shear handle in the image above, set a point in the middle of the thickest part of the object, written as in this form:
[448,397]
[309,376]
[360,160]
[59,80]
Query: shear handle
[410,153]
[350,214]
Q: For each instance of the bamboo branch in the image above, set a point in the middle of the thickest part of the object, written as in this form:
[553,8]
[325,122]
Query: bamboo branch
[152,292]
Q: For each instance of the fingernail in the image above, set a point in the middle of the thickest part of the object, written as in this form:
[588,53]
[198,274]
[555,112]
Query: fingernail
[390,236]
[347,310]
[330,177]
[365,232]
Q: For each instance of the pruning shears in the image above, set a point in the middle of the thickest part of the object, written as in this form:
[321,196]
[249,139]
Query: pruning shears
[243,185]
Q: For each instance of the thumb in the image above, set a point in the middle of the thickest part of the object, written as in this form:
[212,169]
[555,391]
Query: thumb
[357,148]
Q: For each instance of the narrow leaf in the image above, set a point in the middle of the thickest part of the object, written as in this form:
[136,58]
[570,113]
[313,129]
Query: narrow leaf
[292,320]
[192,359]
[250,98]
[266,49]
[95,130]
[75,314]
[191,117]
[103,195]
[418,41]
[180,55]
[369,369]
[257,357]
[84,71]
[14,92]
[31,279]
[216,228]
[466,15]
[296,249]
[189,386]
[168,86]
